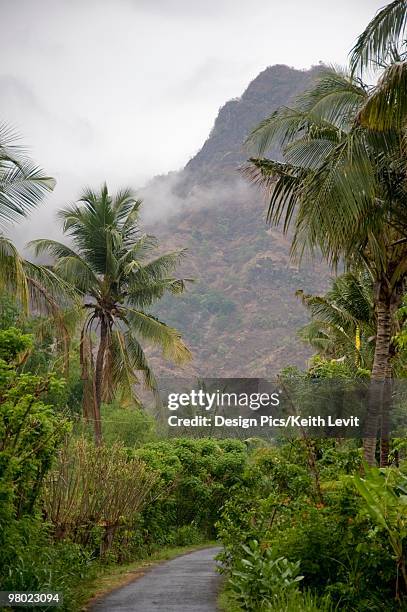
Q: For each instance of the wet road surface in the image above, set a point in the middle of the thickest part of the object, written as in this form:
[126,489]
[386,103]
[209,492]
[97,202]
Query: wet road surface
[188,583]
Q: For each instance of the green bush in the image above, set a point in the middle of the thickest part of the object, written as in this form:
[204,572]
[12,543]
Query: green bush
[187,535]
[259,577]
[291,601]
[93,493]
[198,475]
[131,426]
[30,432]
[341,552]
[39,564]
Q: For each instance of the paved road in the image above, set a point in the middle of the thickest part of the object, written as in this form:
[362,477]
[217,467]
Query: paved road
[185,584]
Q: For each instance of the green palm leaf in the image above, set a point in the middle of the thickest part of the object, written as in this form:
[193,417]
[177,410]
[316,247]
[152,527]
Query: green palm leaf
[386,108]
[159,334]
[23,185]
[382,34]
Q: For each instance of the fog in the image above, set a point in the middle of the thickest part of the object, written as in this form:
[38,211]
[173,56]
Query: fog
[162,197]
[123,90]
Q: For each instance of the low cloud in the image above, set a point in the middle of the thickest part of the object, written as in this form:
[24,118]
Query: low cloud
[168,195]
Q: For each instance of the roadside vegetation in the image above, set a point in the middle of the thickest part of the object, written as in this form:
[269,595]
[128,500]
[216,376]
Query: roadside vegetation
[92,488]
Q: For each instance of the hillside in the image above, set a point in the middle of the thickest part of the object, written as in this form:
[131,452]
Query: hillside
[241,315]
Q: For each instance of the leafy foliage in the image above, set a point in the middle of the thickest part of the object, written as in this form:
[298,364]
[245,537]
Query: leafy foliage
[381,37]
[22,187]
[30,432]
[343,320]
[385,496]
[343,558]
[198,475]
[92,488]
[22,184]
[259,577]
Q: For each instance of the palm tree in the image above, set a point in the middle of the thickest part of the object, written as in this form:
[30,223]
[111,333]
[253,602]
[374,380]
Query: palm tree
[343,189]
[23,186]
[110,266]
[342,325]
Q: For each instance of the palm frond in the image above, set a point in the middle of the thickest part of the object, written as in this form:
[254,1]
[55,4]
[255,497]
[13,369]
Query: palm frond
[125,202]
[12,274]
[154,270]
[142,295]
[69,266]
[335,199]
[322,309]
[132,216]
[277,130]
[308,153]
[53,248]
[159,334]
[43,300]
[319,336]
[129,359]
[282,183]
[386,108]
[22,187]
[382,34]
[319,112]
[50,284]
[333,100]
[138,251]
[337,317]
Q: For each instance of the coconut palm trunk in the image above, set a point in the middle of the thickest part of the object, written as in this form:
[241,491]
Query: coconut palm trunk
[385,423]
[379,374]
[98,380]
[380,367]
[380,390]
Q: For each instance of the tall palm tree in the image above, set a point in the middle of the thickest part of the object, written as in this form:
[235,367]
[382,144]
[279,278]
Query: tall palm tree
[342,322]
[23,186]
[110,264]
[343,189]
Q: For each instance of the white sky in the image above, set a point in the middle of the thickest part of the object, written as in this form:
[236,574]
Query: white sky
[125,89]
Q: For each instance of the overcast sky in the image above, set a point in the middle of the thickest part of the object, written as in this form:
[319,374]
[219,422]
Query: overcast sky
[125,89]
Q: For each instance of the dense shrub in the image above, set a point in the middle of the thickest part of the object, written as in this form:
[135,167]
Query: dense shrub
[342,553]
[131,426]
[199,475]
[30,433]
[40,564]
[259,577]
[96,490]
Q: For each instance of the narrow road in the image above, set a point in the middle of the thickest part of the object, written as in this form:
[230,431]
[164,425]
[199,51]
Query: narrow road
[186,584]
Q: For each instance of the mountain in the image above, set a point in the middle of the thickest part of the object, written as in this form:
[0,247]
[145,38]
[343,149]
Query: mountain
[223,151]
[241,315]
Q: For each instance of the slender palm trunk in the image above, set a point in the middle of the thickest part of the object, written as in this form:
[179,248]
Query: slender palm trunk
[379,375]
[87,370]
[99,379]
[385,422]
